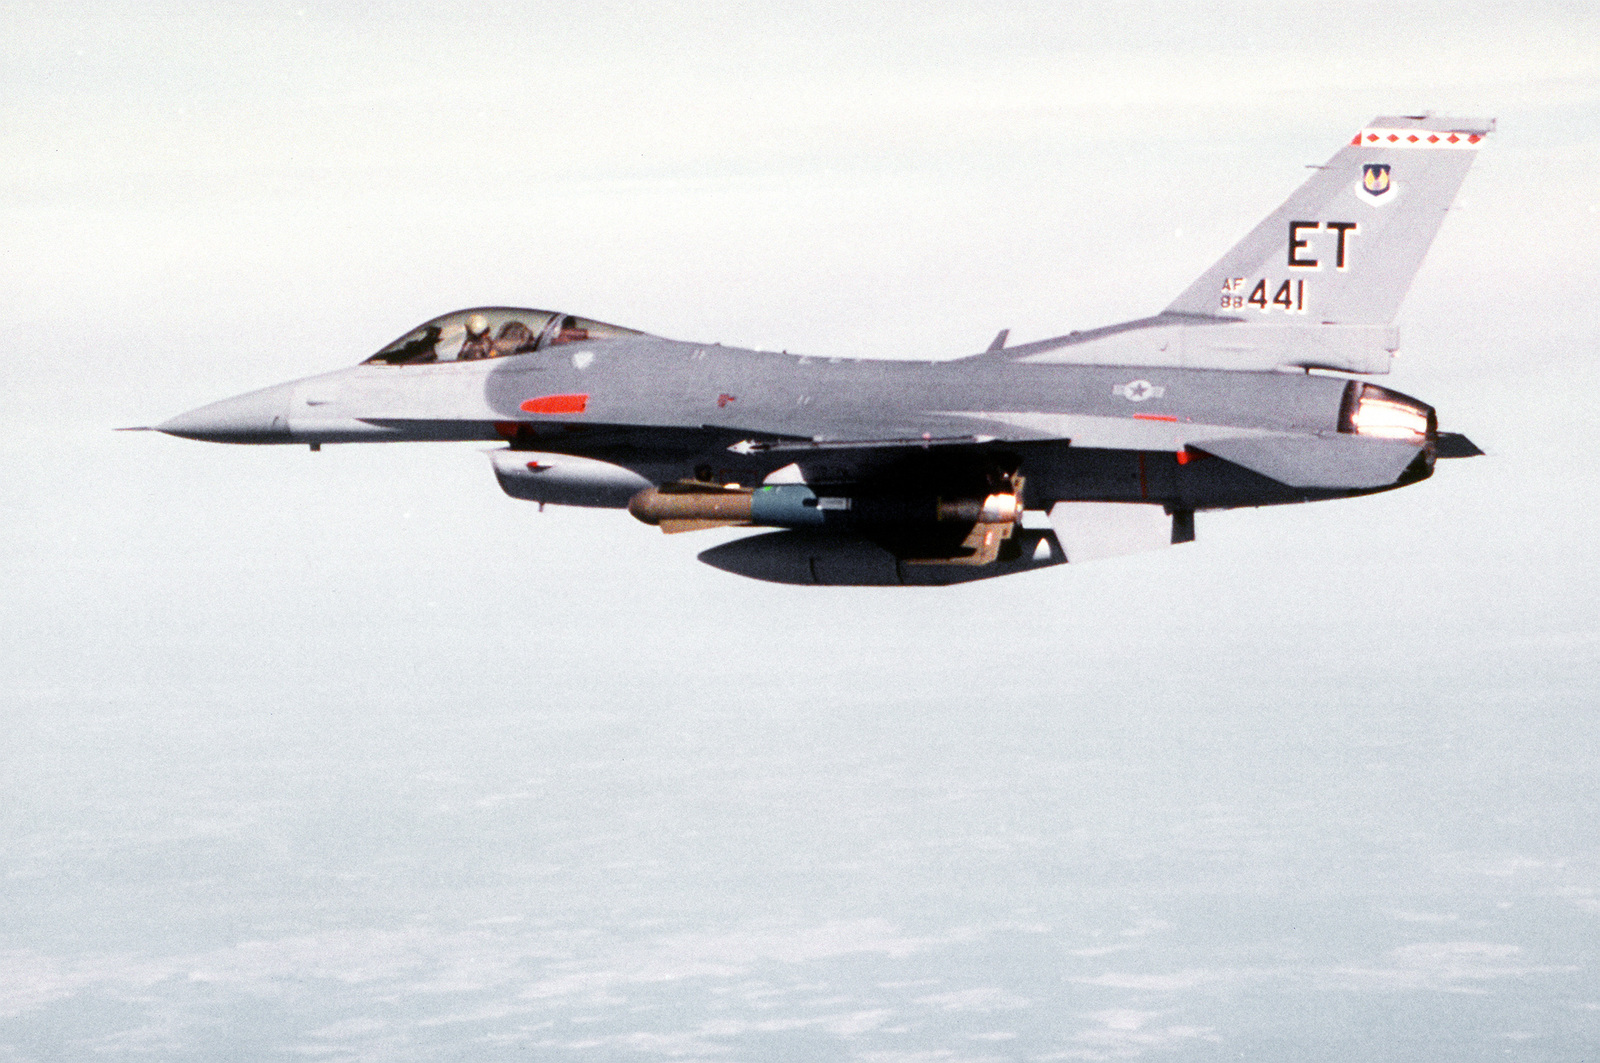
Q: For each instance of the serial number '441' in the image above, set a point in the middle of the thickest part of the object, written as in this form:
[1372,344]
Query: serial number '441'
[1290,295]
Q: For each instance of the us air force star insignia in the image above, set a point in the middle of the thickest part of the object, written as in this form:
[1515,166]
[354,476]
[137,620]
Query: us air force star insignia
[1139,390]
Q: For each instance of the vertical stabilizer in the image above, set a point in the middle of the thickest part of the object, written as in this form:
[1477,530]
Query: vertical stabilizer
[1344,248]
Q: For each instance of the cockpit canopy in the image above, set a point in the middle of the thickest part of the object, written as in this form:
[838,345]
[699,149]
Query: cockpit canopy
[492,332]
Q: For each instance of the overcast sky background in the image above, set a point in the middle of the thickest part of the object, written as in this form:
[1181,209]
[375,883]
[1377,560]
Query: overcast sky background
[347,755]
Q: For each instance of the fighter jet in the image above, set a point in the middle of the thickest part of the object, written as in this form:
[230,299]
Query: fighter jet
[1250,389]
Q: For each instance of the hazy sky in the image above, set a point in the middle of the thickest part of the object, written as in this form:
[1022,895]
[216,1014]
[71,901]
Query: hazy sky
[347,754]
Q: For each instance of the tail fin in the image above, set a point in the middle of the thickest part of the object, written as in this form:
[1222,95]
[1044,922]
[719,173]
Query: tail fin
[1344,248]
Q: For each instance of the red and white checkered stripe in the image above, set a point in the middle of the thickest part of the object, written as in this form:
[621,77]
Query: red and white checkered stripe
[1414,138]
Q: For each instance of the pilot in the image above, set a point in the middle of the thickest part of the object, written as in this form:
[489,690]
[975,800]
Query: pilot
[477,344]
[514,338]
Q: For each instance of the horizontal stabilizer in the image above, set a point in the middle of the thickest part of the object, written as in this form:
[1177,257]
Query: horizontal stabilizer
[1347,461]
[1456,445]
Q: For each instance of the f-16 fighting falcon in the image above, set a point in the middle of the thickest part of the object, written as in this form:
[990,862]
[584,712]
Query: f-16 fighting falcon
[1250,389]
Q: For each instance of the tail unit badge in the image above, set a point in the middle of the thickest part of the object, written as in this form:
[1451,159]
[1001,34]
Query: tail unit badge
[1375,178]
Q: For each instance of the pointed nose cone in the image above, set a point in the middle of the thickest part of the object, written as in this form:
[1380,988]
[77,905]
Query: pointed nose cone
[256,417]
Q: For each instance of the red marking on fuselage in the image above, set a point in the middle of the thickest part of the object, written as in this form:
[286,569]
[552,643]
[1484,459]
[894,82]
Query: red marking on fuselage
[1153,417]
[556,404]
[1183,457]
